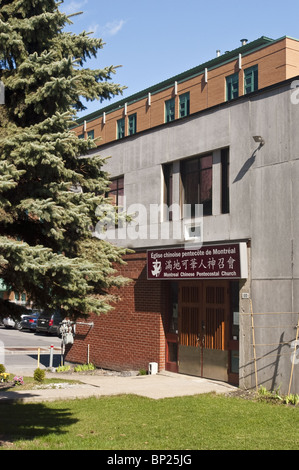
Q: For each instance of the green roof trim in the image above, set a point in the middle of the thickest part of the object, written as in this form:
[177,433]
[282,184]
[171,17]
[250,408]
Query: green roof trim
[195,71]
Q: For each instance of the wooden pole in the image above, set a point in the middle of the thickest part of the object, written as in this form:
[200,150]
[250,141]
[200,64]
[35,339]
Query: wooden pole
[38,357]
[254,349]
[293,360]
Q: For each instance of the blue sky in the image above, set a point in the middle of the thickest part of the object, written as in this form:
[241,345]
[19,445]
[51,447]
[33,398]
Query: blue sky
[154,40]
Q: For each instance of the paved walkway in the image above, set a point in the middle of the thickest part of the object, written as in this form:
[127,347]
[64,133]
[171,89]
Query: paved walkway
[161,385]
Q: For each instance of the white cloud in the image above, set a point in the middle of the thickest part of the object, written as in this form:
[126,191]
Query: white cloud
[93,28]
[113,27]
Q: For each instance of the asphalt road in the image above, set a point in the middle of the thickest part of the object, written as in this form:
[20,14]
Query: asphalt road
[22,351]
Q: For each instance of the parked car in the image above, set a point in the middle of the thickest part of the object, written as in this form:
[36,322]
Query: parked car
[49,322]
[29,322]
[9,322]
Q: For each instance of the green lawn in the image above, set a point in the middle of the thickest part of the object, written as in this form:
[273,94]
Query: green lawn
[132,422]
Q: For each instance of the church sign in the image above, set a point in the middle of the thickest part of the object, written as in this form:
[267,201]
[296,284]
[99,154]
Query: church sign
[208,262]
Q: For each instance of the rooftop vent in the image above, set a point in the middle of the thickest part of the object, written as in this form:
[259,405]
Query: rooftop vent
[218,52]
[244,41]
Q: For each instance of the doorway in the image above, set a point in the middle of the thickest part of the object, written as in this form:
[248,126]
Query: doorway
[204,311]
[202,329]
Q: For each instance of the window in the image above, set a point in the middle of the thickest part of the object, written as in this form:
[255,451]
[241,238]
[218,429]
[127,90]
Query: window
[196,176]
[168,173]
[90,134]
[132,124]
[116,195]
[225,181]
[184,104]
[250,79]
[116,191]
[170,110]
[232,87]
[121,128]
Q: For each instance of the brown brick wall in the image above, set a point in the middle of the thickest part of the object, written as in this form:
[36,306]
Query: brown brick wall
[276,62]
[131,335]
[292,52]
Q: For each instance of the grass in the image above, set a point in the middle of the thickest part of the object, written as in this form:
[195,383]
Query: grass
[128,422]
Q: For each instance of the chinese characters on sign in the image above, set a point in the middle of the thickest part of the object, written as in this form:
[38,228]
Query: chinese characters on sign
[208,262]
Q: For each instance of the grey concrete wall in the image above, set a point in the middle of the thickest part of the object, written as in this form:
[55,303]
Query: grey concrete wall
[264,195]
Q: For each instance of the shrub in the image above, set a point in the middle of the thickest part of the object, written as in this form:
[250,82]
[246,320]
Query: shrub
[84,367]
[2,369]
[39,375]
[293,399]
[63,368]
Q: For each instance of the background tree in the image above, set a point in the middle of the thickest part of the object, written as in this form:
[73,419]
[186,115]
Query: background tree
[46,245]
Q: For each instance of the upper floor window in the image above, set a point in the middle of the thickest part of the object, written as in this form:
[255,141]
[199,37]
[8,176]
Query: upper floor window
[196,174]
[232,86]
[90,134]
[250,79]
[120,128]
[116,191]
[117,198]
[168,188]
[225,181]
[132,124]
[170,110]
[184,109]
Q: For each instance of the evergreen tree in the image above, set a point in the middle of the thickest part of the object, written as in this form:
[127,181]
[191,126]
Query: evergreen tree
[46,244]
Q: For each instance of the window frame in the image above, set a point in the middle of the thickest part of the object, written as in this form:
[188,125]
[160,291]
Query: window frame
[186,181]
[184,104]
[120,128]
[225,193]
[168,189]
[115,196]
[169,110]
[132,124]
[252,73]
[231,82]
[118,191]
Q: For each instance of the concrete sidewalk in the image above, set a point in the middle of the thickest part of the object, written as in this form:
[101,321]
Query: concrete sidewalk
[161,385]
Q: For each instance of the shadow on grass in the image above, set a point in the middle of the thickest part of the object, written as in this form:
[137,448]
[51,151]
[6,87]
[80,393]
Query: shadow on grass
[19,422]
